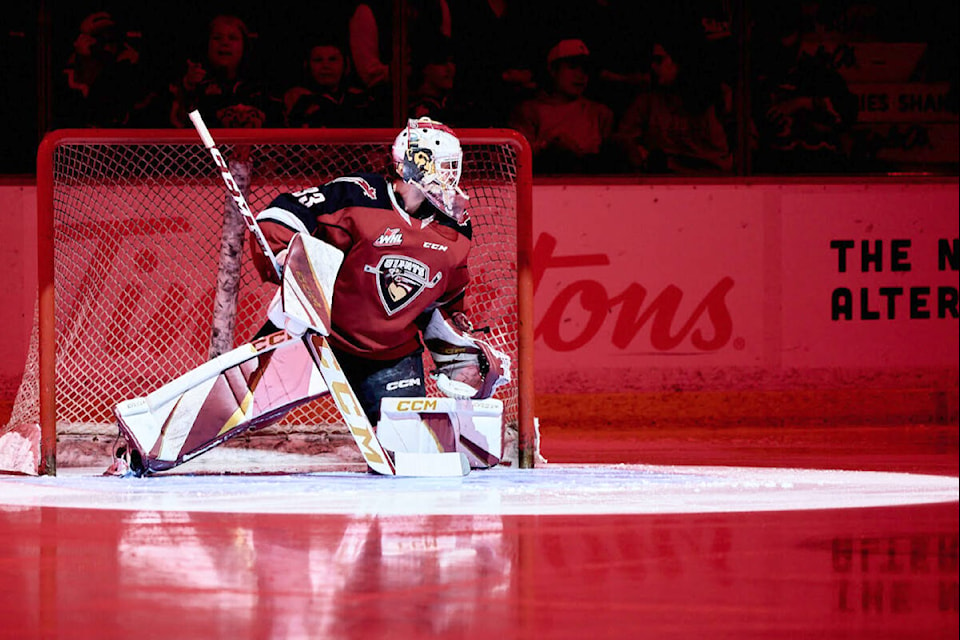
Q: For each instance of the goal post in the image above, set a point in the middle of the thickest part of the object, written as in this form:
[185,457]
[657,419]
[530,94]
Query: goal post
[129,243]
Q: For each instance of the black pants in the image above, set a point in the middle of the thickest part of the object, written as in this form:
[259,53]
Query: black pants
[373,380]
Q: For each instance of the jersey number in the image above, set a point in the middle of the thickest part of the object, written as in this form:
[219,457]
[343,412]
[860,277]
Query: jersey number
[309,197]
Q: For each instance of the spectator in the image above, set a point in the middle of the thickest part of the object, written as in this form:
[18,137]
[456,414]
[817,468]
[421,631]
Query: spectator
[495,54]
[220,83]
[679,125]
[370,37]
[326,97]
[617,32]
[567,131]
[102,82]
[433,80]
[803,107]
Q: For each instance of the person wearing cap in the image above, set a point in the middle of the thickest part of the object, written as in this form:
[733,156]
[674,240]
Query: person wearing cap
[567,131]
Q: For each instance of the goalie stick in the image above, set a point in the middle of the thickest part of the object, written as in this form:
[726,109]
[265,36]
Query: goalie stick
[343,395]
[376,457]
[234,189]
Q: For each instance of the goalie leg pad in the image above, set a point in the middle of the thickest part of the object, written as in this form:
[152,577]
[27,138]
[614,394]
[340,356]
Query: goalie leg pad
[249,387]
[417,425]
[472,428]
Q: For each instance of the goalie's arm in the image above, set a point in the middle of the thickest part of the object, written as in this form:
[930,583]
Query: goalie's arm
[278,236]
[315,211]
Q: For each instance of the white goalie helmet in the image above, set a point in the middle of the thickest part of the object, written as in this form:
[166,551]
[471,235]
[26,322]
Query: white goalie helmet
[427,154]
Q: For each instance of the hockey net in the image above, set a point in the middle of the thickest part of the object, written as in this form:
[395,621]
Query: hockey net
[130,231]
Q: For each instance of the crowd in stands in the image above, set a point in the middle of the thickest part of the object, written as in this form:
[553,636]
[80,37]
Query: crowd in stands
[602,86]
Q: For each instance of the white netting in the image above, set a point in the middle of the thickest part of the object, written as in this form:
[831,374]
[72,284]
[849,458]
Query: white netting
[137,229]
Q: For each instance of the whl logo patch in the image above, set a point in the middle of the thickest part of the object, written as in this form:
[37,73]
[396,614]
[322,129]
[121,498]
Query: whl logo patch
[400,280]
[389,238]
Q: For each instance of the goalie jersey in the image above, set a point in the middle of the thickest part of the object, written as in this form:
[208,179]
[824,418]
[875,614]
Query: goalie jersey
[397,268]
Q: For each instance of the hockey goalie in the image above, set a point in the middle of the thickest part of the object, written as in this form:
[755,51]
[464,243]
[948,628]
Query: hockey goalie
[372,270]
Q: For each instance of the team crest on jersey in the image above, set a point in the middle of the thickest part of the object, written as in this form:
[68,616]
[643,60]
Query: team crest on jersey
[400,280]
[365,186]
[389,238]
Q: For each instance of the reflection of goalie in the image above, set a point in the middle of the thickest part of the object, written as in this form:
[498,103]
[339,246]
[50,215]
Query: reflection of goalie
[283,576]
[393,253]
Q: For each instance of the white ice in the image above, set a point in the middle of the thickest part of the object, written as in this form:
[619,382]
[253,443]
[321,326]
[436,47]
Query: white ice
[550,490]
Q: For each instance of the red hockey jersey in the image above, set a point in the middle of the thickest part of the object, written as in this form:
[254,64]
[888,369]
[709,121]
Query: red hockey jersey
[396,267]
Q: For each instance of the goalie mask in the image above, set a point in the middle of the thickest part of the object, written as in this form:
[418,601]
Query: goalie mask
[427,155]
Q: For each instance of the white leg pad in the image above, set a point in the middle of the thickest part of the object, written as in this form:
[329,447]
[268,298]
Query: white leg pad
[221,398]
[431,426]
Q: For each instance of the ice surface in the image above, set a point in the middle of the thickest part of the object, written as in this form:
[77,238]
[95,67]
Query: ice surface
[550,490]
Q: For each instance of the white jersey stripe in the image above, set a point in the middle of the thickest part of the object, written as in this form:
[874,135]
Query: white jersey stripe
[283,217]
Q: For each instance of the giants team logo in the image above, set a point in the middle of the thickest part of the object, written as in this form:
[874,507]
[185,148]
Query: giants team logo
[400,280]
[389,238]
